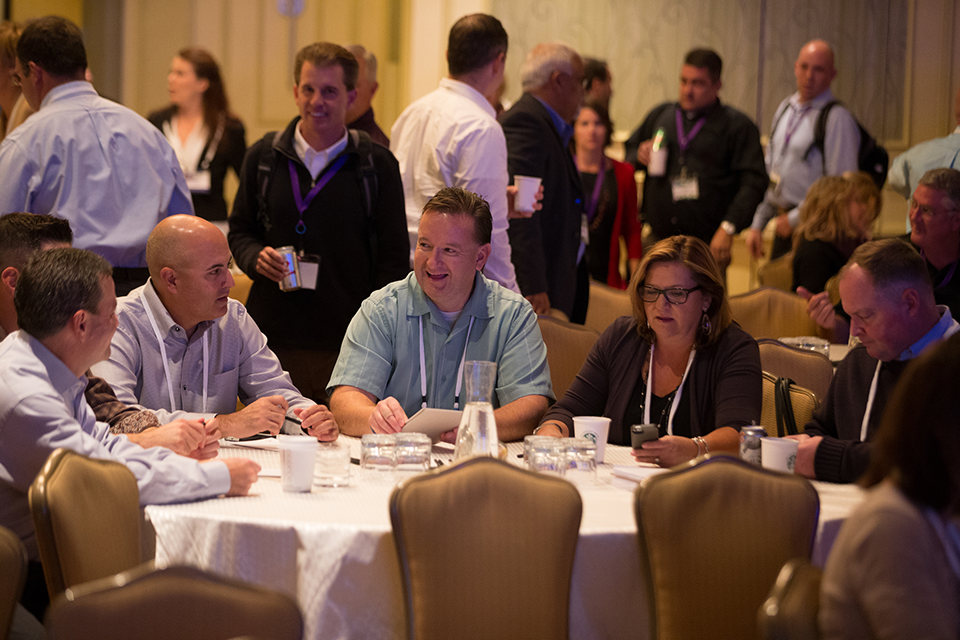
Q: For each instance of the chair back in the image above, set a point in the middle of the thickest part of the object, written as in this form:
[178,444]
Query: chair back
[790,613]
[13,568]
[713,535]
[809,369]
[606,305]
[567,347]
[803,403]
[177,602]
[87,516]
[777,273]
[486,551]
[772,313]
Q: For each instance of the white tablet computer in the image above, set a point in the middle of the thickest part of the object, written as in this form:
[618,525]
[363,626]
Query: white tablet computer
[433,422]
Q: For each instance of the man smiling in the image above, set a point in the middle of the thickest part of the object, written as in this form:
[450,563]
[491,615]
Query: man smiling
[185,350]
[442,314]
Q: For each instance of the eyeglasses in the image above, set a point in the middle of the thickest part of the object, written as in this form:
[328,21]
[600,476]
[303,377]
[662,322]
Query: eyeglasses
[926,211]
[674,295]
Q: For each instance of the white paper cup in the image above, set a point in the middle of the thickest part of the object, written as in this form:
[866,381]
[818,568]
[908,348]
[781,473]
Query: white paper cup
[297,457]
[526,192]
[779,454]
[658,162]
[595,429]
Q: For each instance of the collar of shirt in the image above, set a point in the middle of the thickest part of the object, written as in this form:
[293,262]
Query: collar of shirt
[474,96]
[68,385]
[704,112]
[816,103]
[564,128]
[66,91]
[957,130]
[165,321]
[479,305]
[945,328]
[314,160]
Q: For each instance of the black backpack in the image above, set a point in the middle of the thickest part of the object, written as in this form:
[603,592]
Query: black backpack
[871,157]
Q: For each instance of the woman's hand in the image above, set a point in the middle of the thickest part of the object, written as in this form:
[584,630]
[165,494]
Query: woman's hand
[667,451]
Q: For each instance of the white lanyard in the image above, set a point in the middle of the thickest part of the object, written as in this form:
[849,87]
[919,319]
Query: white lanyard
[870,398]
[949,539]
[423,368]
[163,356]
[676,397]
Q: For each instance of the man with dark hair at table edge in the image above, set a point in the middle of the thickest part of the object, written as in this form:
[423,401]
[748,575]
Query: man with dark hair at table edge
[444,313]
[887,291]
[66,305]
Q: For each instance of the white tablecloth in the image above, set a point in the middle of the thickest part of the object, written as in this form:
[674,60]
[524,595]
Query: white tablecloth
[333,551]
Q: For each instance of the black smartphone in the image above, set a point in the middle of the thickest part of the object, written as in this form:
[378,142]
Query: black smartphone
[640,433]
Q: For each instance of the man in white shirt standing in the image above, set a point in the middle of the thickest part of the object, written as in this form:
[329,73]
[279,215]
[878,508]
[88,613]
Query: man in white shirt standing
[451,138]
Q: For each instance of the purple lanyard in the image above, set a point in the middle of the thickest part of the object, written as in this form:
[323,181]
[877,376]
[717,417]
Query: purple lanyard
[796,117]
[303,203]
[947,278]
[684,140]
[594,200]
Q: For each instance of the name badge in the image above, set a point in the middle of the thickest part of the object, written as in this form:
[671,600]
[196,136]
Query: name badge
[309,270]
[685,188]
[199,182]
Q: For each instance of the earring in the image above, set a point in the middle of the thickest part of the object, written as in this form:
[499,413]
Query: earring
[705,324]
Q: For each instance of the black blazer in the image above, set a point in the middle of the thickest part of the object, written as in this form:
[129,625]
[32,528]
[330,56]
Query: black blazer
[544,246]
[230,152]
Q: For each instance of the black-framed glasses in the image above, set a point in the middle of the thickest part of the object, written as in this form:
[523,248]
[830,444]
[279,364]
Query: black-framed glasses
[674,295]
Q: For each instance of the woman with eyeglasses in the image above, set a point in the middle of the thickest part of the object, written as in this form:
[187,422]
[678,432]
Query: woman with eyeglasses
[679,362]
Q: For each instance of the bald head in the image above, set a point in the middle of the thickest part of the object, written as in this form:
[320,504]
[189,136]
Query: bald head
[814,69]
[179,242]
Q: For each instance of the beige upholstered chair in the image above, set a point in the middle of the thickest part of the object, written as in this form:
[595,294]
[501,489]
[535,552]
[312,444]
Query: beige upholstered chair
[13,569]
[713,535]
[777,273]
[606,305]
[790,613]
[567,347]
[241,287]
[804,402]
[808,369]
[486,551]
[87,516]
[185,603]
[771,313]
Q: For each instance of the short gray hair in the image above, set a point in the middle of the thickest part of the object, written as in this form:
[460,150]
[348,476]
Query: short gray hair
[370,60]
[542,61]
[946,181]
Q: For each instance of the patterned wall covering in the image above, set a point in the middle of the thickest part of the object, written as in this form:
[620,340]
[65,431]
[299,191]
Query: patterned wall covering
[644,42]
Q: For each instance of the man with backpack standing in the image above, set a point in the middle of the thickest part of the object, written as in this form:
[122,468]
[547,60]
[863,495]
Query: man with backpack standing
[333,196]
[794,158]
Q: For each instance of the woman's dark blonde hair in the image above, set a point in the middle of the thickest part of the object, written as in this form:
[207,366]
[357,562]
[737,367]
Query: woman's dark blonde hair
[695,255]
[825,214]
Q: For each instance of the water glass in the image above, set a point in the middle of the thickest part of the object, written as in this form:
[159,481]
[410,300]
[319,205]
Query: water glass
[413,452]
[545,454]
[333,465]
[581,467]
[378,452]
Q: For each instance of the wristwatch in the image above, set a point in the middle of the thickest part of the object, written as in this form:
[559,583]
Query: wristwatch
[728,227]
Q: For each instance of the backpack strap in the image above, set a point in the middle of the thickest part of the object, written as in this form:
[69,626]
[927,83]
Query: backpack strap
[820,134]
[786,421]
[268,158]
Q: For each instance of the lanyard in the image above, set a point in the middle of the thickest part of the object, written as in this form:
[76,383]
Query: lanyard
[676,398]
[594,200]
[949,538]
[685,140]
[303,203]
[423,368]
[796,117]
[947,278]
[870,398]
[163,356]
[212,148]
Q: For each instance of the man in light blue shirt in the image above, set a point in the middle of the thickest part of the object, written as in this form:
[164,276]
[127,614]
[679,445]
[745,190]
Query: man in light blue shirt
[444,313]
[793,161]
[89,160]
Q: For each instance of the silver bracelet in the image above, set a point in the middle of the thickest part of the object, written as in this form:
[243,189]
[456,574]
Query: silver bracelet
[706,448]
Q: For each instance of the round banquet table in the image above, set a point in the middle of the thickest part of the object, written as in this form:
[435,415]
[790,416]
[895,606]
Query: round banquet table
[332,549]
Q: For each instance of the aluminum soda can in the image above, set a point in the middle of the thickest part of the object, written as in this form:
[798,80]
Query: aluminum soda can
[750,443]
[291,281]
